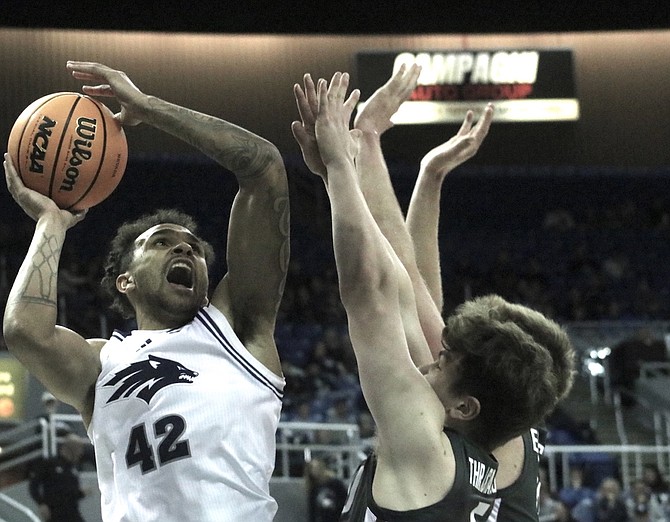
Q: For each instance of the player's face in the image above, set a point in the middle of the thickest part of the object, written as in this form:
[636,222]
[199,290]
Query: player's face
[442,374]
[169,269]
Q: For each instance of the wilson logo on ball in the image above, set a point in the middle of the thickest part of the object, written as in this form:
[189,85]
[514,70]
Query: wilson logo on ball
[70,148]
[81,151]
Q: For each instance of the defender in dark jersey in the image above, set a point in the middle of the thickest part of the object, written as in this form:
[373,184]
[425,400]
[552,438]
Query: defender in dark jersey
[416,243]
[465,496]
[519,500]
[518,457]
[491,381]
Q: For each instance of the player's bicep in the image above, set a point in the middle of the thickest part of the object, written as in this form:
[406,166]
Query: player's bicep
[68,366]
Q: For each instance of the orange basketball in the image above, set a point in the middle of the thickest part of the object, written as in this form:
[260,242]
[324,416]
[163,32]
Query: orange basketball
[70,148]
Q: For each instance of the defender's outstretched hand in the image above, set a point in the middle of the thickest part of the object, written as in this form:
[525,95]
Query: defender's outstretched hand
[303,131]
[336,142]
[460,148]
[424,206]
[375,116]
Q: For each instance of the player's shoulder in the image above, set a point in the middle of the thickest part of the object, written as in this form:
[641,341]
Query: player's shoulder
[97,343]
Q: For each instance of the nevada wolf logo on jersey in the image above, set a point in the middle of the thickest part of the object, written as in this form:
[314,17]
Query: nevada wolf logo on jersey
[148,377]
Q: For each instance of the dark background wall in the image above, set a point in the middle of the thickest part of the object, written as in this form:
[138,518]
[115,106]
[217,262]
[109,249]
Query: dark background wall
[345,16]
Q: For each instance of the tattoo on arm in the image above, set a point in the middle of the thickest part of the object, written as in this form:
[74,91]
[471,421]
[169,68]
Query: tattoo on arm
[238,150]
[41,282]
[245,156]
[282,206]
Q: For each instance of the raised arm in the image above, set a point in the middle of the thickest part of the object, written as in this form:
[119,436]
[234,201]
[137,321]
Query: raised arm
[408,415]
[423,214]
[62,360]
[258,232]
[378,192]
[422,319]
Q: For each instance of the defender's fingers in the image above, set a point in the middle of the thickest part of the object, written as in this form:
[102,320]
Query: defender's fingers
[334,84]
[467,124]
[299,133]
[414,73]
[351,102]
[484,123]
[310,91]
[322,93]
[304,108]
[344,86]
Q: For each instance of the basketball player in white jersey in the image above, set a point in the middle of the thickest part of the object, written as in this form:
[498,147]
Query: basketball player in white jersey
[183,410]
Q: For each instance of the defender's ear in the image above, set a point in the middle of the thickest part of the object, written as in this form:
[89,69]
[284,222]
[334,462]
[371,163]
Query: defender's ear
[125,282]
[467,409]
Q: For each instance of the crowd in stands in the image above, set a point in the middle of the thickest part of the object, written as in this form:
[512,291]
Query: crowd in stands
[604,499]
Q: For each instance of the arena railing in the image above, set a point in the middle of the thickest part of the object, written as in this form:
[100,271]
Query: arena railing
[32,439]
[22,443]
[559,460]
[15,511]
[18,446]
[302,441]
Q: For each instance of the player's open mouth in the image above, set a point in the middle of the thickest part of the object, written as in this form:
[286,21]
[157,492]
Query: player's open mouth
[181,274]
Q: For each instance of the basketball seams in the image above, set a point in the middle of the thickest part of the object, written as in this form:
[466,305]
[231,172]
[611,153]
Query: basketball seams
[102,156]
[60,143]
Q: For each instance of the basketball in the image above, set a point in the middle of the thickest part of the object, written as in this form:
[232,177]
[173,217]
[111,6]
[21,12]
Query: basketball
[70,148]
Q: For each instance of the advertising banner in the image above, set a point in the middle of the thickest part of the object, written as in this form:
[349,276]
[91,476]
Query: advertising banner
[525,85]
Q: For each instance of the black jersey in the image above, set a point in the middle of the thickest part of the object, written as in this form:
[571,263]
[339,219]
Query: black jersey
[470,498]
[519,502]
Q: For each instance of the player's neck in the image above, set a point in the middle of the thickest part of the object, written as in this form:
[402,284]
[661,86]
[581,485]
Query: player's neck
[162,321]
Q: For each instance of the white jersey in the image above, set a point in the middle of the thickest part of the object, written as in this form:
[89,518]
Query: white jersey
[184,426]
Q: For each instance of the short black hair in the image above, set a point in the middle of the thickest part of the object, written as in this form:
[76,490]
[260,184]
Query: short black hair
[121,251]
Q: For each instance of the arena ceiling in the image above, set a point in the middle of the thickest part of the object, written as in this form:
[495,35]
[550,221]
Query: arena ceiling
[340,16]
